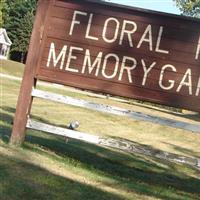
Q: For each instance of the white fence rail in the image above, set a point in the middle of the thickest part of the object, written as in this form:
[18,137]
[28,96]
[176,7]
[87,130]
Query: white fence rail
[117,143]
[115,110]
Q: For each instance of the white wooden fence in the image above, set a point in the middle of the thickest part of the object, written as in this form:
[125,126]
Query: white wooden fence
[110,142]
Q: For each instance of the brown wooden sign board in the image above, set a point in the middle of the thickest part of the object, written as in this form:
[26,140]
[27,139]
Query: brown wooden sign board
[114,49]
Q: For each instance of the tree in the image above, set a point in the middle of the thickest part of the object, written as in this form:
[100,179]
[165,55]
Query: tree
[20,43]
[18,18]
[189,7]
[3,8]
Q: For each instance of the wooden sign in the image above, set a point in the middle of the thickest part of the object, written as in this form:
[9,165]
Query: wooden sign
[122,51]
[114,49]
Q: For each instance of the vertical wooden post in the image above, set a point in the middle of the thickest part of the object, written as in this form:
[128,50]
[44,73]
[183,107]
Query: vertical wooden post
[29,81]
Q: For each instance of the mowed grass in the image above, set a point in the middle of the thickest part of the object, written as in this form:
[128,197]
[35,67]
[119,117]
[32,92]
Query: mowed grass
[11,68]
[46,167]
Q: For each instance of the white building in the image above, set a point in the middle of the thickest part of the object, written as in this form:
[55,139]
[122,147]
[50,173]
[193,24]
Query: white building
[5,44]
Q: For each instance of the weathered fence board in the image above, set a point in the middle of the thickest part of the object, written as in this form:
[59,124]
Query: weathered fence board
[62,132]
[117,143]
[114,110]
[115,50]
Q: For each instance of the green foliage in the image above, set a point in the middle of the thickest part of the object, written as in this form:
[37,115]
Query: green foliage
[3,6]
[17,18]
[23,33]
[189,7]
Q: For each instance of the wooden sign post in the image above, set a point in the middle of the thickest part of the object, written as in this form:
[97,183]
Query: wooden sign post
[113,49]
[29,81]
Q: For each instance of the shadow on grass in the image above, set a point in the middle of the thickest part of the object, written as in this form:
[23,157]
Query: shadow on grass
[135,173]
[8,118]
[168,110]
[183,150]
[140,171]
[22,181]
[8,109]
[5,129]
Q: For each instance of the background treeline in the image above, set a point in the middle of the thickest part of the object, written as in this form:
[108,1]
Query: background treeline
[189,7]
[17,17]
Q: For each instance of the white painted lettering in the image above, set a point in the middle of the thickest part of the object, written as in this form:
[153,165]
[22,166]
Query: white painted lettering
[88,36]
[128,32]
[171,85]
[147,37]
[188,83]
[146,71]
[127,68]
[114,38]
[52,55]
[74,21]
[198,88]
[111,55]
[72,57]
[198,50]
[87,62]
[158,42]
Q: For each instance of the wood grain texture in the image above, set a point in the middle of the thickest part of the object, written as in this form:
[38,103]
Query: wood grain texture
[180,38]
[114,110]
[25,98]
[120,89]
[117,143]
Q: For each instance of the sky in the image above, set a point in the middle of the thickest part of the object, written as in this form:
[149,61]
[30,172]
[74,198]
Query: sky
[167,6]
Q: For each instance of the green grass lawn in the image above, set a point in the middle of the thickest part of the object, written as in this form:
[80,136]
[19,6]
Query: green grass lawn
[46,167]
[11,68]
